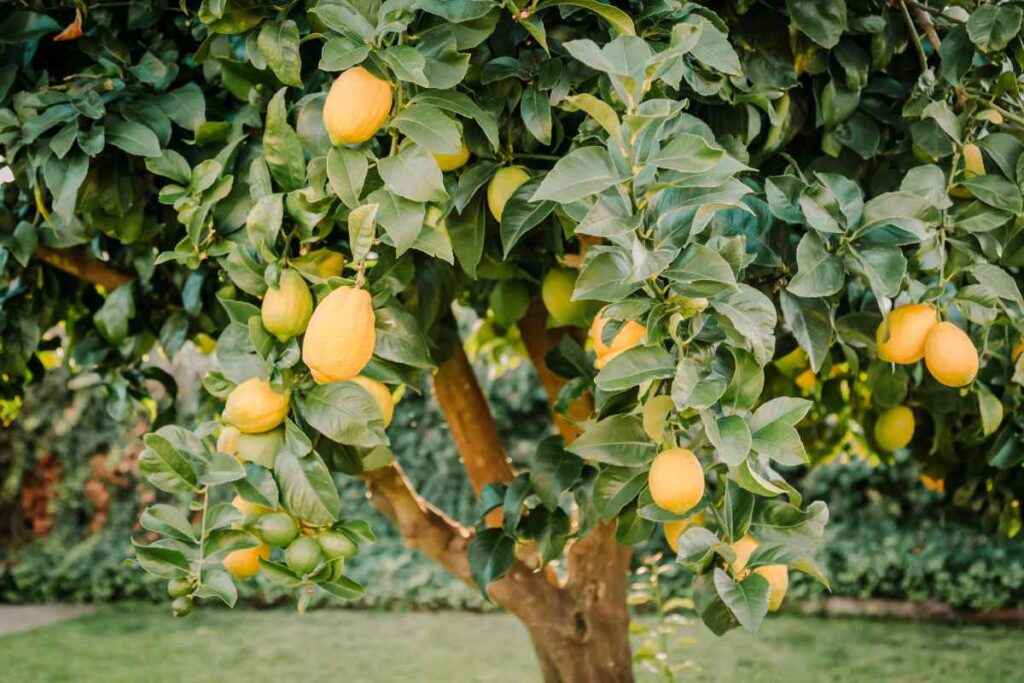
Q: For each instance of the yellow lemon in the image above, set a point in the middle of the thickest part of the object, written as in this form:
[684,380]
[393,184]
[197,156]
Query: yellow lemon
[380,394]
[676,480]
[1017,350]
[950,355]
[974,163]
[502,186]
[253,407]
[245,563]
[806,380]
[556,292]
[777,576]
[895,428]
[340,336]
[901,337]
[629,335]
[936,485]
[356,107]
[250,511]
[450,162]
[227,441]
[287,307]
[743,548]
[673,530]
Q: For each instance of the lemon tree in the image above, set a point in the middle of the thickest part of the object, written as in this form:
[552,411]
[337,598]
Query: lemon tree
[731,242]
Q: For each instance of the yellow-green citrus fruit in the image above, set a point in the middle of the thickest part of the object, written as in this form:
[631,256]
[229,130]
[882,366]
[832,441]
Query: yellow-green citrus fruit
[777,576]
[356,107]
[450,162]
[901,337]
[806,380]
[743,548]
[381,396]
[1016,352]
[253,407]
[556,292]
[502,186]
[510,300]
[179,588]
[262,448]
[227,440]
[181,607]
[246,562]
[205,343]
[629,335]
[950,355]
[340,336]
[895,428]
[277,529]
[676,480]
[673,530]
[287,307]
[335,544]
[302,555]
[974,163]
[250,511]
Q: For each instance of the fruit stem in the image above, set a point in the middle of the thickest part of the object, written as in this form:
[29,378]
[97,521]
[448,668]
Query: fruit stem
[202,540]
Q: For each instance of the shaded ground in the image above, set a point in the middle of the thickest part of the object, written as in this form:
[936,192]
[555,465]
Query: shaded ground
[142,642]
[17,618]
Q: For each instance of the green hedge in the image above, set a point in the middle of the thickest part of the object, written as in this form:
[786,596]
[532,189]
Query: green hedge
[889,536]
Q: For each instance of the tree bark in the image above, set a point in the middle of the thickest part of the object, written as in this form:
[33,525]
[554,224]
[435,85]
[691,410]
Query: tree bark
[78,263]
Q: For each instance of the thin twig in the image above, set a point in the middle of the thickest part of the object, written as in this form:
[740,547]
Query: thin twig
[921,56]
[925,20]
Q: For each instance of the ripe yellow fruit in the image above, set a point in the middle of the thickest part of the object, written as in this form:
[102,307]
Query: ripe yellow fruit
[629,335]
[502,186]
[743,548]
[450,162]
[676,480]
[556,292]
[1017,350]
[356,107]
[895,428]
[287,307]
[227,441]
[806,380]
[262,448]
[254,407]
[901,337]
[673,530]
[250,511]
[950,355]
[245,563]
[340,336]
[380,394]
[777,576]
[974,163]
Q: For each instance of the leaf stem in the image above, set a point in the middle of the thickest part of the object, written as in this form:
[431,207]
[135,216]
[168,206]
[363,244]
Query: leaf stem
[912,29]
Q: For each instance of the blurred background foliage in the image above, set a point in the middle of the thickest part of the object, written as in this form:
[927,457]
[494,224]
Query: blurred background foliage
[70,498]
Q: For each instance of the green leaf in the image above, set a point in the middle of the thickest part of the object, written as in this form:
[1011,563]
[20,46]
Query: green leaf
[992,27]
[344,588]
[307,489]
[263,223]
[810,321]
[619,21]
[279,44]
[634,367]
[535,108]
[24,27]
[218,584]
[751,317]
[258,487]
[700,272]
[342,53]
[430,127]
[407,63]
[687,153]
[399,338]
[413,174]
[134,138]
[747,599]
[343,412]
[617,440]
[997,281]
[163,562]
[521,214]
[186,106]
[164,466]
[282,147]
[224,468]
[491,554]
[362,230]
[553,470]
[346,172]
[580,173]
[820,273]
[823,21]
[169,521]
[730,436]
[615,488]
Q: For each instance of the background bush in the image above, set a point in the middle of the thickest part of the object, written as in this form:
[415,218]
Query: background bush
[889,536]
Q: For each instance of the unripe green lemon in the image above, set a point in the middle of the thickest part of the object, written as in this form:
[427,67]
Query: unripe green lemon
[502,186]
[510,299]
[250,511]
[261,448]
[178,588]
[337,544]
[895,428]
[287,307]
[556,291]
[302,555]
[277,529]
[181,607]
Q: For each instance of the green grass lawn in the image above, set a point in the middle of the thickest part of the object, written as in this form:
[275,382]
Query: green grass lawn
[143,643]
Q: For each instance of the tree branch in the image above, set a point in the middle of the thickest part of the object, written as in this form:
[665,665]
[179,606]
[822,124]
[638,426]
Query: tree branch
[925,20]
[423,526]
[472,425]
[78,263]
[538,340]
